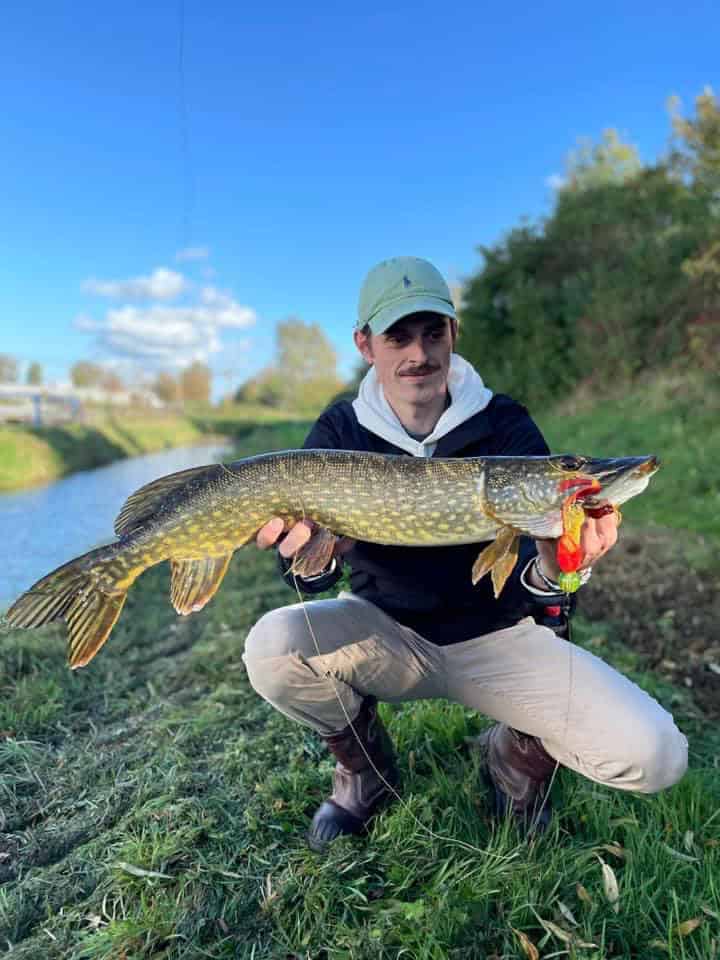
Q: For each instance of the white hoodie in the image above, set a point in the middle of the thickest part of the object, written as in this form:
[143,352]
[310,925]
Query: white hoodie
[468,396]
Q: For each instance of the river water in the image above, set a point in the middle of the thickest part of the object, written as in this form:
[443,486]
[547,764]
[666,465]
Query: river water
[46,526]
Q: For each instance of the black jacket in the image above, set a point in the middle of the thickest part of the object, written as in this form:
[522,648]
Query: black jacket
[429,588]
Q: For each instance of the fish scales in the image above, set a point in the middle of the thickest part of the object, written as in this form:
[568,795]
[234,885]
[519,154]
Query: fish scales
[399,501]
[197,518]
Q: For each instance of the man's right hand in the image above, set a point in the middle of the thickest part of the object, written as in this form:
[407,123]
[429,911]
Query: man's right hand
[297,536]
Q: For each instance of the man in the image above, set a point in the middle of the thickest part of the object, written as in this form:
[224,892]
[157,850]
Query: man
[414,626]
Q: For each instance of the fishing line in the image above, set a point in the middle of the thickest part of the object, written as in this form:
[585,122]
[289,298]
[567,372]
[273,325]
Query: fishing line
[403,804]
[546,795]
[188,184]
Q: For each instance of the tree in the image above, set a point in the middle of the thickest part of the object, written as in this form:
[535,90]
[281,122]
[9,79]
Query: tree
[195,383]
[350,388]
[596,292]
[698,152]
[86,374]
[303,351]
[166,387]
[304,374]
[8,368]
[35,374]
[265,388]
[112,382]
[596,164]
[306,365]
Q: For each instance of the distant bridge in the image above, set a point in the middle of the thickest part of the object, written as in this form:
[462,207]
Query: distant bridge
[39,405]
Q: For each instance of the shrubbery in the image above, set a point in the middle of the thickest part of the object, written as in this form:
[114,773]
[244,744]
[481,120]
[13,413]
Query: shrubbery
[622,277]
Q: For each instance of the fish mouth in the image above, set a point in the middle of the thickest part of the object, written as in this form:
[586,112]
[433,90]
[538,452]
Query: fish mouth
[616,480]
[650,465]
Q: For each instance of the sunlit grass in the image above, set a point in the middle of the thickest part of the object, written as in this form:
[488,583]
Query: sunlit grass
[159,809]
[30,456]
[674,417]
[153,806]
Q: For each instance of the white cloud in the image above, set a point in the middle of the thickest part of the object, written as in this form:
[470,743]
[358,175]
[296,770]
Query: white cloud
[227,312]
[192,253]
[555,181]
[162,284]
[85,322]
[163,335]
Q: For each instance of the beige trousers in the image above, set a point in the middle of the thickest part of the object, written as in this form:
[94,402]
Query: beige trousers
[589,717]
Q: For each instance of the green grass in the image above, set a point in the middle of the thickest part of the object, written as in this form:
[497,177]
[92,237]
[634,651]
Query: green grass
[153,806]
[674,417]
[159,757]
[29,455]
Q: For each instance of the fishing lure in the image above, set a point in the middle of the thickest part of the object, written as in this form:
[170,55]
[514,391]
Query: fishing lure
[569,551]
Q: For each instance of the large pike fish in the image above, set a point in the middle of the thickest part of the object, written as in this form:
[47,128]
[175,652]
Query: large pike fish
[198,517]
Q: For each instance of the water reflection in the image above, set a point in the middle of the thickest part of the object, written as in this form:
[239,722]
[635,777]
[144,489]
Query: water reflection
[46,526]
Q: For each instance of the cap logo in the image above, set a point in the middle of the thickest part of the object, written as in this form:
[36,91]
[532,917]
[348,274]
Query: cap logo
[406,281]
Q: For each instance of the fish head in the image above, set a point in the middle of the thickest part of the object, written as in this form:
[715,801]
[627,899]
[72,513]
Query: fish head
[528,493]
[620,479]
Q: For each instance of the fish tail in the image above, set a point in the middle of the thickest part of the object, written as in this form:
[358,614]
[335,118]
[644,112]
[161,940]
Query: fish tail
[82,594]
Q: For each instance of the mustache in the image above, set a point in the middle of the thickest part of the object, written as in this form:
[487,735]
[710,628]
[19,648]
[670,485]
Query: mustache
[419,371]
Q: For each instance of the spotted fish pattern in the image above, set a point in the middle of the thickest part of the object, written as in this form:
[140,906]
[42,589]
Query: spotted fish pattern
[197,518]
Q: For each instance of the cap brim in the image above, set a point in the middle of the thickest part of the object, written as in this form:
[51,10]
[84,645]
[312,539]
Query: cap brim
[420,304]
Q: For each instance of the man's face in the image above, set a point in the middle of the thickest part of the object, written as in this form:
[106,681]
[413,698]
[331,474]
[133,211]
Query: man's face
[412,357]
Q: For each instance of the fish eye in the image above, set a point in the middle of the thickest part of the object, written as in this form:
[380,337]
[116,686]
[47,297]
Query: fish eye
[572,463]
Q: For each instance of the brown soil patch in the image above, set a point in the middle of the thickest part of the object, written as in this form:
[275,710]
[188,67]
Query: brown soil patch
[663,607]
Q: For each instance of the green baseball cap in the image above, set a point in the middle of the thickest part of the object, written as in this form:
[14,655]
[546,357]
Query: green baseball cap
[399,286]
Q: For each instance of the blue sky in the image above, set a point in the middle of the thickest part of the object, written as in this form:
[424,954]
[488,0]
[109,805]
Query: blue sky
[306,147]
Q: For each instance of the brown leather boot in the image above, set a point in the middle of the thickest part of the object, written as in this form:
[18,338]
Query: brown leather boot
[358,792]
[518,768]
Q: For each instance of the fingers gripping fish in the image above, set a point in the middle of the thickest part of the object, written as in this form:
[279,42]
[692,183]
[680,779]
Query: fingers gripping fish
[197,518]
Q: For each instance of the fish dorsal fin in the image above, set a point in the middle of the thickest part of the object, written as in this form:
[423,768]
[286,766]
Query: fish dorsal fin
[194,582]
[500,555]
[142,504]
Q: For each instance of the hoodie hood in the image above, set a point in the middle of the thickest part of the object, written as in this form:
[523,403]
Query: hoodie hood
[468,396]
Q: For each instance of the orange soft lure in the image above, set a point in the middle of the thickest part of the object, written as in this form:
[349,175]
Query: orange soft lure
[569,552]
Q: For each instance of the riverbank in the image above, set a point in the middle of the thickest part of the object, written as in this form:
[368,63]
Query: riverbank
[154,805]
[45,526]
[30,456]
[33,455]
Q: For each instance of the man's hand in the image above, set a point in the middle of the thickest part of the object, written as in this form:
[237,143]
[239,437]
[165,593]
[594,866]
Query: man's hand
[596,538]
[297,536]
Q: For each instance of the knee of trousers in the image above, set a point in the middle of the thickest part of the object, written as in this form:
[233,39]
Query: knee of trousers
[271,655]
[663,758]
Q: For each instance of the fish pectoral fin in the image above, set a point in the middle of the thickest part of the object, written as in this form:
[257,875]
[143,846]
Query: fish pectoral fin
[505,566]
[501,556]
[315,555]
[194,582]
